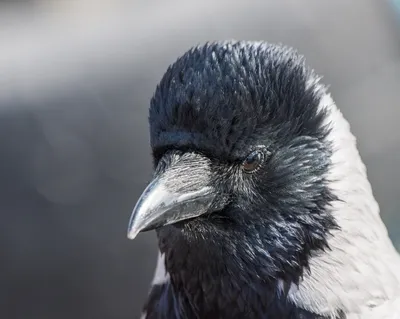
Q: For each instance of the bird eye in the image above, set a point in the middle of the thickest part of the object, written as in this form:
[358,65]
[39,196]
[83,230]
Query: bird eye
[253,161]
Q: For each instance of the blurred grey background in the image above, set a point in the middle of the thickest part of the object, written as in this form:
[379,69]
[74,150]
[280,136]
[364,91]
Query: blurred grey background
[76,78]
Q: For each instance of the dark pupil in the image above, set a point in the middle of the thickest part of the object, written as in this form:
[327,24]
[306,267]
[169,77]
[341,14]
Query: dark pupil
[252,161]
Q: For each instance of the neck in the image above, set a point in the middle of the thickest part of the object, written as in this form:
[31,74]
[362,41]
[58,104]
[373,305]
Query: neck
[206,283]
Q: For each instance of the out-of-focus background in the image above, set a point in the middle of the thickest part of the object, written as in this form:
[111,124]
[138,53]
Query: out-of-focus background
[76,77]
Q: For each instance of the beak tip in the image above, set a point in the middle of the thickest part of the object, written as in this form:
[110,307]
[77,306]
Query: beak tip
[132,234]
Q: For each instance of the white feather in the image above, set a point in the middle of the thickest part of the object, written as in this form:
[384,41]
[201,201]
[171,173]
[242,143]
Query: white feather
[161,276]
[361,273]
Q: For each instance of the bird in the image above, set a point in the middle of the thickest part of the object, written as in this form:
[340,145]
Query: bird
[260,199]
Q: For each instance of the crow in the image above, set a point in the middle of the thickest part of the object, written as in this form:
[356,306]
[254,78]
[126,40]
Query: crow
[260,199]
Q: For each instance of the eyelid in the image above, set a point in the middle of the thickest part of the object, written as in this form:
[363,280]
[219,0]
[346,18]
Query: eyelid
[261,158]
[261,148]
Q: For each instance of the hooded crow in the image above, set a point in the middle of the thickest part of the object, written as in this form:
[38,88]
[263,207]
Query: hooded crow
[260,199]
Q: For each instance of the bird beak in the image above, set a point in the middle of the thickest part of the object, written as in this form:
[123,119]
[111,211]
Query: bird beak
[182,192]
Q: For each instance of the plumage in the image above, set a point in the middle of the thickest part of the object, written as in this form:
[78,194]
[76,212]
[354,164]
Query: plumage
[298,236]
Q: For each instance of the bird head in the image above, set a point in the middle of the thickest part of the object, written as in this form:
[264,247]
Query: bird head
[241,158]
